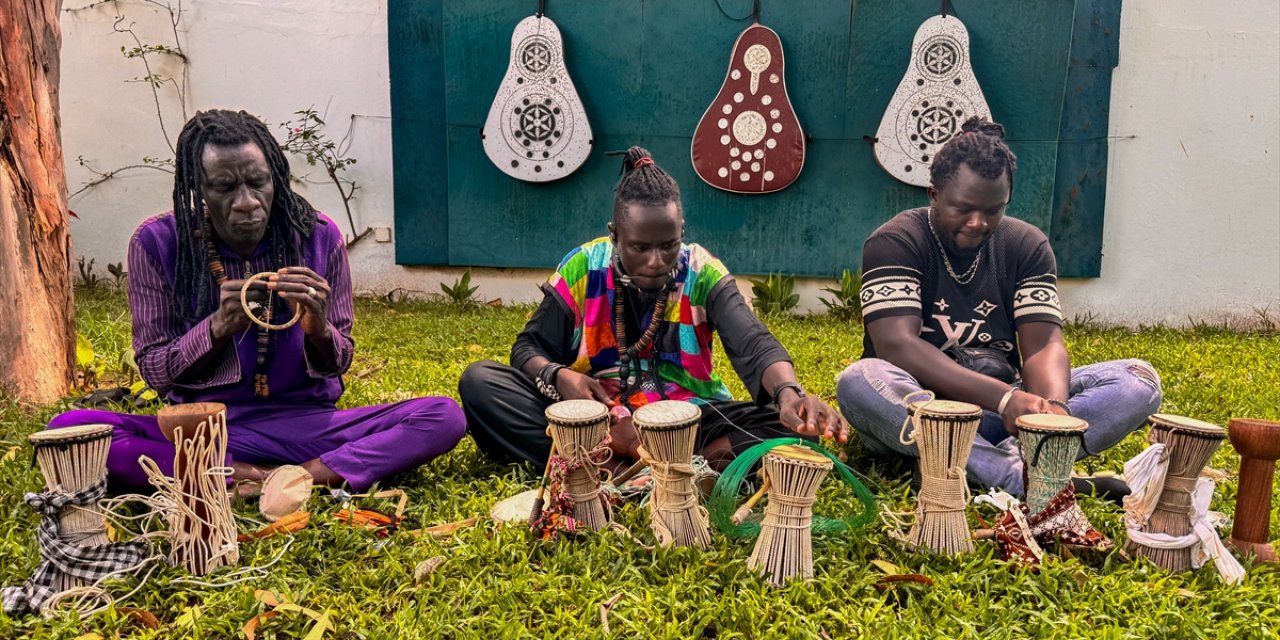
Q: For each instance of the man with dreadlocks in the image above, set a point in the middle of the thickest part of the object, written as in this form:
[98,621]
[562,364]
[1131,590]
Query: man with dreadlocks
[962,300]
[235,215]
[627,320]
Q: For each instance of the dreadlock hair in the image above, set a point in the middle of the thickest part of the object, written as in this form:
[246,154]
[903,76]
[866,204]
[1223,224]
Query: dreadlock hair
[643,182]
[291,215]
[979,145]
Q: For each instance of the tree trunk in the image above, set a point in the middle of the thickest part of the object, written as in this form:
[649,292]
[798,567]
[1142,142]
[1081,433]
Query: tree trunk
[37,319]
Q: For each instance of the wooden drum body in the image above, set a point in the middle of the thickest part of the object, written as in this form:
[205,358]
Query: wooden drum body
[943,434]
[1258,442]
[784,549]
[668,430]
[201,528]
[1050,444]
[73,459]
[1189,444]
[577,428]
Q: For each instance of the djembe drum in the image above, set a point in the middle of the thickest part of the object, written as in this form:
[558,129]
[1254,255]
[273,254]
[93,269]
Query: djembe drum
[1050,444]
[73,459]
[943,434]
[202,532]
[1189,444]
[578,427]
[1258,442]
[667,432]
[784,549]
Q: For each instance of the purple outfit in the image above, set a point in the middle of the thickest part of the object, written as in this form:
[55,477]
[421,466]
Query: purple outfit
[298,421]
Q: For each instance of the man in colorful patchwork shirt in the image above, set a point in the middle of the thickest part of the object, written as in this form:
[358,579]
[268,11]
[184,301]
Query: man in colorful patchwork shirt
[668,299]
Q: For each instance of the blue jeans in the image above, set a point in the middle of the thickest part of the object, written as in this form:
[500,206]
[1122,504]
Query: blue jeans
[1114,397]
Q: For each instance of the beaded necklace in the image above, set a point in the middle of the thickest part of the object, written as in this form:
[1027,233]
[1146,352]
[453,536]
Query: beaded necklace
[219,272]
[627,353]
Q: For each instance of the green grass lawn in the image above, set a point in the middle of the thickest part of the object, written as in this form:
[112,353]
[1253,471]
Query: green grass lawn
[497,583]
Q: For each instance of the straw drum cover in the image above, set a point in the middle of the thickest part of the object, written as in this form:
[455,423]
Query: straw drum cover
[668,430]
[578,427]
[784,549]
[943,432]
[1189,444]
[72,458]
[1049,444]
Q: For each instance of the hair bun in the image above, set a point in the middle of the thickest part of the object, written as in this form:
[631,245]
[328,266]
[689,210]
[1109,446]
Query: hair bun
[978,124]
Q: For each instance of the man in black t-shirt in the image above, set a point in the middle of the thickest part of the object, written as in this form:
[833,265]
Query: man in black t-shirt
[958,282]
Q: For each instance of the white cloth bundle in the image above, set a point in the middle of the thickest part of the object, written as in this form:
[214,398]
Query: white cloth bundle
[1145,475]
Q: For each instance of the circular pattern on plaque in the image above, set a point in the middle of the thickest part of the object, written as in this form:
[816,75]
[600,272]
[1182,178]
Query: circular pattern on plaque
[536,56]
[537,121]
[936,124]
[757,58]
[940,55]
[749,127]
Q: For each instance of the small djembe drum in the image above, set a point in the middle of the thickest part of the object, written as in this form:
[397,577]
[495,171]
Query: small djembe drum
[578,427]
[73,459]
[1258,443]
[1050,444]
[667,432]
[784,549]
[943,434]
[202,532]
[1189,444]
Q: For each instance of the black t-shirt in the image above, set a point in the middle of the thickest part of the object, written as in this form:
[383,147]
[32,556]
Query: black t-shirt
[1015,282]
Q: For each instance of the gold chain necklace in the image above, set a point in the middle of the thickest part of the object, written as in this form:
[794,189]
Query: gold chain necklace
[973,268]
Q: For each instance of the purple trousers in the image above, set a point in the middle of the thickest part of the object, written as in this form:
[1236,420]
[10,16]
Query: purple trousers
[363,445]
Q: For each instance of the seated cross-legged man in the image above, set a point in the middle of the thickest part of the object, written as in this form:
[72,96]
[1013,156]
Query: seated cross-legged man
[235,215]
[960,278]
[628,320]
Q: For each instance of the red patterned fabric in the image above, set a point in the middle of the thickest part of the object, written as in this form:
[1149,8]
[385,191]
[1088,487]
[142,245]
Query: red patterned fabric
[1060,521]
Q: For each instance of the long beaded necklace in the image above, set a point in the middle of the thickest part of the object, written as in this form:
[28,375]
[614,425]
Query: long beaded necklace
[973,268]
[219,272]
[627,353]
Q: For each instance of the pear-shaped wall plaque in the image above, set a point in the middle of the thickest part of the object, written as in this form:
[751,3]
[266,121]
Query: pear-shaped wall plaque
[749,140]
[537,130]
[937,94]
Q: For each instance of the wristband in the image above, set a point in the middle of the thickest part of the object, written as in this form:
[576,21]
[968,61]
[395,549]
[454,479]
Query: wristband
[794,386]
[1061,405]
[1004,401]
[546,381]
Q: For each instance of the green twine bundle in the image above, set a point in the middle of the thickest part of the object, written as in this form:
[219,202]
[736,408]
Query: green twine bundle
[724,497]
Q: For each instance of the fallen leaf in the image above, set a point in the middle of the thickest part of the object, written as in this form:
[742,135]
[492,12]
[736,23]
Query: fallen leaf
[1188,594]
[141,616]
[268,598]
[887,582]
[11,454]
[250,628]
[889,568]
[295,521]
[604,610]
[425,568]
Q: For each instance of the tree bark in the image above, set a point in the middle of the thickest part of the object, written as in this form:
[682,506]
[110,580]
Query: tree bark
[37,319]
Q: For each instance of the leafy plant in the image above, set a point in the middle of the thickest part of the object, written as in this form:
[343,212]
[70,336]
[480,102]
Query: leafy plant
[847,303]
[118,274]
[86,278]
[774,294]
[88,370]
[461,293]
[307,138]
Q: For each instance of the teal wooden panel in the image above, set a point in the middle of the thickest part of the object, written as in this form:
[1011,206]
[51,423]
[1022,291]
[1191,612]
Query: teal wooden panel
[646,71]
[1081,178]
[415,39]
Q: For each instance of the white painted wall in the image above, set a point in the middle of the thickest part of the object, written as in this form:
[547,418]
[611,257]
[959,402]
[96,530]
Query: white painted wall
[1193,203]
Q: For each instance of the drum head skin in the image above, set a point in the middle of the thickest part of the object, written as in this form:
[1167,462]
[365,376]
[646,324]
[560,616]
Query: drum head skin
[667,414]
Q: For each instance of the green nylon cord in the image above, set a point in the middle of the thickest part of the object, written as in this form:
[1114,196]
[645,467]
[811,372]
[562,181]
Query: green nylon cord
[724,497]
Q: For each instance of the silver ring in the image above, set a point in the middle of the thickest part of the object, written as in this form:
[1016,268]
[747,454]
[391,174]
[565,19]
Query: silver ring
[311,291]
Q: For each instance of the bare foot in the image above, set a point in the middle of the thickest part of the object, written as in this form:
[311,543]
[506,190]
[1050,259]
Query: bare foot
[321,474]
[248,479]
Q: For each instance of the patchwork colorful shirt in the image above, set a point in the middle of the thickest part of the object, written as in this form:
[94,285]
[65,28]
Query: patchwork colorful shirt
[584,285]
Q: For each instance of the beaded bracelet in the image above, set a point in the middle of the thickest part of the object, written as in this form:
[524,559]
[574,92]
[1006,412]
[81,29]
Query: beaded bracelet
[546,381]
[1061,405]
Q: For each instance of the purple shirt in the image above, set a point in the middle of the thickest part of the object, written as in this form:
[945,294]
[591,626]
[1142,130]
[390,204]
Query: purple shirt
[167,346]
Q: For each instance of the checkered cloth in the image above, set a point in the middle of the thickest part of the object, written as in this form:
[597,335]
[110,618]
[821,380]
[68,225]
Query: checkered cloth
[64,557]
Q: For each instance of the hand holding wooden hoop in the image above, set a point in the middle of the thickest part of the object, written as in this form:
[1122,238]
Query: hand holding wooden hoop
[244,304]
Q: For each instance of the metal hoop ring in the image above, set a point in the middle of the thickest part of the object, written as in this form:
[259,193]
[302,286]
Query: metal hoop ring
[244,304]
